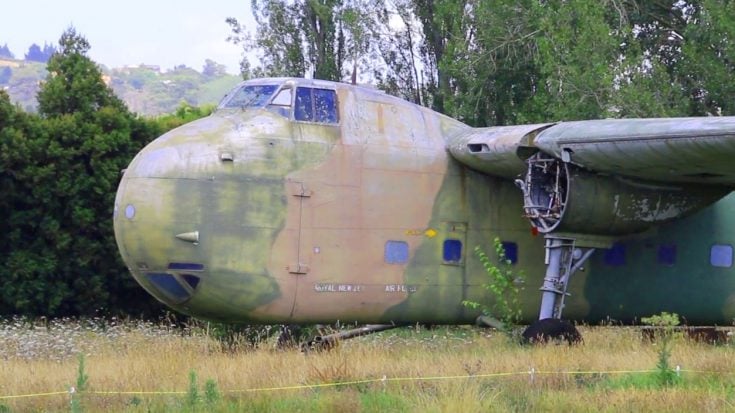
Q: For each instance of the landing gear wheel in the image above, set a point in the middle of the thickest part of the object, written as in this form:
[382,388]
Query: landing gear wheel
[552,329]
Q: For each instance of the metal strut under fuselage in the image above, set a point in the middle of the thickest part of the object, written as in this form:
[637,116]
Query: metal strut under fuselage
[562,260]
[545,190]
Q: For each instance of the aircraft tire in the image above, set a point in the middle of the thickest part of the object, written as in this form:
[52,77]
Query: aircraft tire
[551,329]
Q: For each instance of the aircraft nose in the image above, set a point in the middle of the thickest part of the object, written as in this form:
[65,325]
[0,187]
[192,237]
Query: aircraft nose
[157,226]
[195,221]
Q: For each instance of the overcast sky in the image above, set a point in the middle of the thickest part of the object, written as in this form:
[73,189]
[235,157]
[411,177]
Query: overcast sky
[129,32]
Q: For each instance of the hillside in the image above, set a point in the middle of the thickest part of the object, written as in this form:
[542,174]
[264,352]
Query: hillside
[145,89]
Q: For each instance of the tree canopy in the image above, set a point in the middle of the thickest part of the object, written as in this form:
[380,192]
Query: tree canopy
[5,52]
[500,62]
[58,177]
[36,54]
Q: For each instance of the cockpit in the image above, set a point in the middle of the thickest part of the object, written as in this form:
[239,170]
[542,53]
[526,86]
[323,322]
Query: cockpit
[305,103]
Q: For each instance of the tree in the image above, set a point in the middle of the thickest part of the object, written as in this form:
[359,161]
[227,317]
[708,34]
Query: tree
[36,54]
[213,69]
[490,67]
[58,173]
[399,39]
[48,51]
[6,53]
[707,61]
[578,51]
[74,83]
[278,36]
[303,38]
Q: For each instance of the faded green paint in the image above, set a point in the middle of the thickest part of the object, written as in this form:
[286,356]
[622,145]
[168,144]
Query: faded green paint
[180,183]
[293,217]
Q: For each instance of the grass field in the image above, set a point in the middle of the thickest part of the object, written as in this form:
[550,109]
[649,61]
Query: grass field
[141,367]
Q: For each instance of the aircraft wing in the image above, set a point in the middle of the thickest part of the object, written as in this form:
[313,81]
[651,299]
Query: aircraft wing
[675,150]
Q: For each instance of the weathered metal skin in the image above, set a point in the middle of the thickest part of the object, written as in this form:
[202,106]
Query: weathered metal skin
[617,206]
[697,150]
[252,215]
[494,150]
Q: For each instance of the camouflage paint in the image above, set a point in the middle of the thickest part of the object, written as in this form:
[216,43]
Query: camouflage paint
[293,219]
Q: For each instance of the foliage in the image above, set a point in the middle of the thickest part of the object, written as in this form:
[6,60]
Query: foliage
[211,394]
[307,38]
[501,62]
[74,84]
[81,385]
[505,287]
[58,175]
[666,323]
[145,90]
[5,52]
[192,394]
[36,54]
[194,398]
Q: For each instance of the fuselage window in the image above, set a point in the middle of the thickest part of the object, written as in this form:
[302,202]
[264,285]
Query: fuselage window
[721,256]
[511,251]
[316,105]
[615,256]
[452,251]
[667,254]
[396,252]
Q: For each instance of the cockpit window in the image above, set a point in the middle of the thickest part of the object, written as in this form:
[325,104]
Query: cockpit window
[283,98]
[316,105]
[251,96]
[281,103]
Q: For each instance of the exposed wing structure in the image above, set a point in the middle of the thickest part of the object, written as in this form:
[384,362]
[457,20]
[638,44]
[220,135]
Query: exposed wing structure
[608,177]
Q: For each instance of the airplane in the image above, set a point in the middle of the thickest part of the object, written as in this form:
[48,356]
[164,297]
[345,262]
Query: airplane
[303,201]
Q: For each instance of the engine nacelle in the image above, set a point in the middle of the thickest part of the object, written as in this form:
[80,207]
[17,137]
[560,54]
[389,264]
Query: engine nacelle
[562,197]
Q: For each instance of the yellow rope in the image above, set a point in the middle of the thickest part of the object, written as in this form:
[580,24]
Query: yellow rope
[20,396]
[355,382]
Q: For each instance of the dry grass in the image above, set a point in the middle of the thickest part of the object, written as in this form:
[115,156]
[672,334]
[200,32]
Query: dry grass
[134,357]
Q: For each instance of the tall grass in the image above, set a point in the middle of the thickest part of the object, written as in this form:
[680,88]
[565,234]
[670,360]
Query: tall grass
[455,365]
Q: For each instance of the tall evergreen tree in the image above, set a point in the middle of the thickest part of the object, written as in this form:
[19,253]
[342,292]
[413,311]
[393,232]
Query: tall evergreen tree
[61,172]
[5,52]
[35,54]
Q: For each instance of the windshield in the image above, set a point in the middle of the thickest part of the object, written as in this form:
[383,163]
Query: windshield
[250,96]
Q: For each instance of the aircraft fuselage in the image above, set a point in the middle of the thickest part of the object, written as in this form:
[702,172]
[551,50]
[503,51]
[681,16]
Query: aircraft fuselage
[303,201]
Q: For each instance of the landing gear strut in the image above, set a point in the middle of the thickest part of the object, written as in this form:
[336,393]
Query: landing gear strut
[563,259]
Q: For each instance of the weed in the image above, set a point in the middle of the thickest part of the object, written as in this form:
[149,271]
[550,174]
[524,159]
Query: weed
[504,286]
[81,386]
[331,372]
[666,322]
[192,395]
[211,394]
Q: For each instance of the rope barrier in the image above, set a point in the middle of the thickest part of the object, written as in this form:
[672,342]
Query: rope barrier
[21,396]
[532,372]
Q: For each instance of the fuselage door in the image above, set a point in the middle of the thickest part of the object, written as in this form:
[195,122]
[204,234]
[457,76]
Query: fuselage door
[298,192]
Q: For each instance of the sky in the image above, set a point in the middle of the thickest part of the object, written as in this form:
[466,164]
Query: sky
[166,33]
